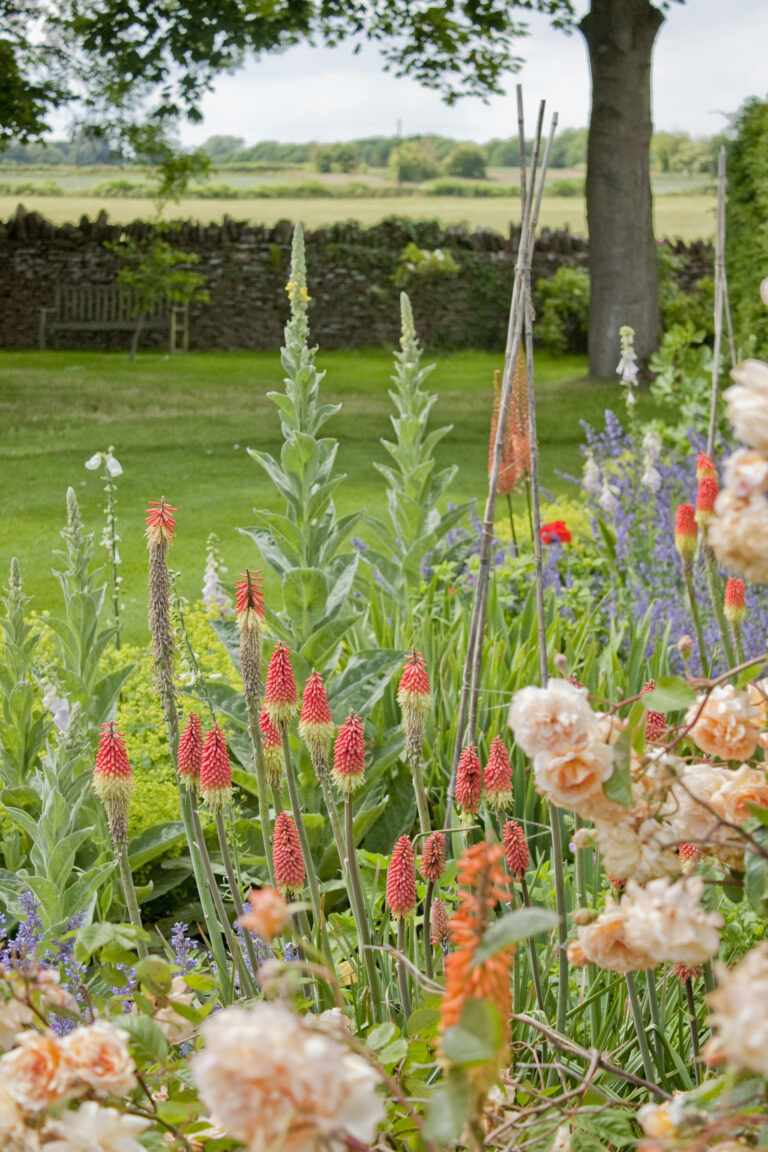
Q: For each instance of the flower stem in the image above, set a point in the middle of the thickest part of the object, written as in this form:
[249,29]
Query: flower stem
[688,577]
[234,888]
[535,969]
[428,928]
[417,767]
[512,531]
[358,904]
[658,1026]
[262,786]
[637,1017]
[129,892]
[716,596]
[402,972]
[309,864]
[694,1026]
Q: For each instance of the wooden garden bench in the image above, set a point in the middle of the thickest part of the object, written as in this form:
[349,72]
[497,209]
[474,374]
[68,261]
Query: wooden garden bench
[109,307]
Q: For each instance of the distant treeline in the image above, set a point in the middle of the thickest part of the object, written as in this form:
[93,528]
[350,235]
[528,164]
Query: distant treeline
[670,152]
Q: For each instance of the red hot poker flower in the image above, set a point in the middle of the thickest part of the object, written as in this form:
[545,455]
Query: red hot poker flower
[441,928]
[287,857]
[215,771]
[516,850]
[705,468]
[735,603]
[316,726]
[273,749]
[281,696]
[401,880]
[349,755]
[414,697]
[433,857]
[469,782]
[160,523]
[686,534]
[556,532]
[249,600]
[705,500]
[113,780]
[655,722]
[497,778]
[191,751]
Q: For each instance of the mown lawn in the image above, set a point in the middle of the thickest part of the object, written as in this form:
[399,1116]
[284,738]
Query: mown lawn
[180,428]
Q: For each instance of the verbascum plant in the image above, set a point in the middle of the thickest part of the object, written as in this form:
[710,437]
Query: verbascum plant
[24,724]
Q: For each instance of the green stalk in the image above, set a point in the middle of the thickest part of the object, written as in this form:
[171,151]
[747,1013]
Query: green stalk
[658,1026]
[716,596]
[709,976]
[737,642]
[512,523]
[688,577]
[129,892]
[694,1026]
[220,918]
[234,888]
[402,974]
[428,928]
[583,894]
[535,969]
[358,902]
[417,767]
[309,864]
[197,856]
[637,1017]
[562,925]
[262,786]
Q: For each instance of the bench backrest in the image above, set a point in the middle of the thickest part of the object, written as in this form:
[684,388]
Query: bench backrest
[103,303]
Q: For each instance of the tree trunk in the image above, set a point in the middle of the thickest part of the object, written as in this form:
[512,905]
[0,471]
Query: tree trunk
[136,336]
[622,251]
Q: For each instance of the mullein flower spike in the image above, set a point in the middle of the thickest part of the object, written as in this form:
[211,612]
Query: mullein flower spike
[349,755]
[160,532]
[316,726]
[287,857]
[401,881]
[497,778]
[469,783]
[414,697]
[113,781]
[273,750]
[191,752]
[249,608]
[281,696]
[216,771]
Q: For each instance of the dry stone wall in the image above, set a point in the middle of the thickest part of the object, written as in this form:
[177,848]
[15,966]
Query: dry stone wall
[350,270]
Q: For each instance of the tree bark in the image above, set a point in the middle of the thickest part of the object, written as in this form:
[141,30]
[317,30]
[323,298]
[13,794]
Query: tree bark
[136,336]
[620,35]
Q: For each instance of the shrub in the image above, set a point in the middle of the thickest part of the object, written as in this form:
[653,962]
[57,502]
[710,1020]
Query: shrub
[563,310]
[565,188]
[422,264]
[468,161]
[412,163]
[747,226]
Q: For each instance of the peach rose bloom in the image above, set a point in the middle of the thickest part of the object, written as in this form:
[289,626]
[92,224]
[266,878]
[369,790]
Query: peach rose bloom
[604,942]
[36,1073]
[574,779]
[746,403]
[746,472]
[175,1027]
[553,720]
[684,806]
[273,1081]
[100,1058]
[738,535]
[741,789]
[14,1016]
[92,1128]
[639,850]
[669,923]
[729,723]
[575,954]
[738,1013]
[269,913]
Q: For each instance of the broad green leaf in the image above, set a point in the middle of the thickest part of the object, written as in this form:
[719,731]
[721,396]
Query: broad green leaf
[448,1109]
[517,925]
[146,1037]
[153,841]
[670,695]
[476,1037]
[382,1035]
[618,786]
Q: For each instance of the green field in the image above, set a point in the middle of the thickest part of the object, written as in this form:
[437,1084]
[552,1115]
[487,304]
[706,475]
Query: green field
[180,428]
[689,217]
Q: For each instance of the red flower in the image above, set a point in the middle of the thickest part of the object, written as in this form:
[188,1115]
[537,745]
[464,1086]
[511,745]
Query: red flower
[655,722]
[112,758]
[441,928]
[469,781]
[191,750]
[516,851]
[287,856]
[414,695]
[316,725]
[273,749]
[705,468]
[349,754]
[401,880]
[215,770]
[249,598]
[735,604]
[113,781]
[160,523]
[705,499]
[686,533]
[281,696]
[497,778]
[555,533]
[433,857]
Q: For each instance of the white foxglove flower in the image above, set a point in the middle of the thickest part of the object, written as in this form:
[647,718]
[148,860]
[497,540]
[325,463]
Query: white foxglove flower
[651,477]
[651,447]
[94,462]
[627,366]
[608,501]
[592,478]
[112,465]
[58,706]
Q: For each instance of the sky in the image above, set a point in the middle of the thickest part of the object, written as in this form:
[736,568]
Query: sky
[710,55]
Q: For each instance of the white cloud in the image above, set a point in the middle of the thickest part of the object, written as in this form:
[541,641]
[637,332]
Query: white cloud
[709,56]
